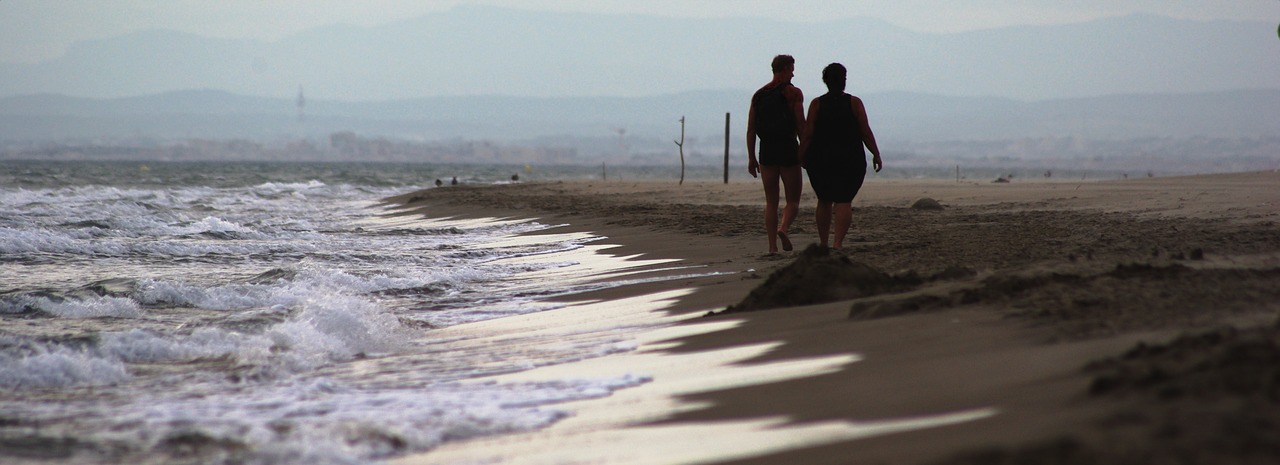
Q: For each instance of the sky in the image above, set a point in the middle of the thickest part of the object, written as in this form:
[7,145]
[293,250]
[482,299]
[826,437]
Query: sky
[40,30]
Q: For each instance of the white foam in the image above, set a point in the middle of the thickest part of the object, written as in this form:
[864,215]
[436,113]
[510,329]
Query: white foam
[228,297]
[325,329]
[42,366]
[134,212]
[16,242]
[340,328]
[93,307]
[212,224]
[140,346]
[276,187]
[322,421]
[309,283]
[343,296]
[307,323]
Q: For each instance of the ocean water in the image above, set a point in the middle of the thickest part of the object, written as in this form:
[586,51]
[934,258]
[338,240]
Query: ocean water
[219,313]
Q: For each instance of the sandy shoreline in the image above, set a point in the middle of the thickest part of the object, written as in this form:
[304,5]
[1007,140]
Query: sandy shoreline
[1059,280]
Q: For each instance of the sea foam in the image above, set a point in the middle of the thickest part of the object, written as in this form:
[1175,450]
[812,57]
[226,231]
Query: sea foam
[28,364]
[261,322]
[322,421]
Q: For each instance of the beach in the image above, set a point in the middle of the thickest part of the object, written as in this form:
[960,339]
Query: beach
[1088,321]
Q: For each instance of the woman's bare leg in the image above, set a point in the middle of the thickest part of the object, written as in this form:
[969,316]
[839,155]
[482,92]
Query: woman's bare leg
[823,218]
[844,219]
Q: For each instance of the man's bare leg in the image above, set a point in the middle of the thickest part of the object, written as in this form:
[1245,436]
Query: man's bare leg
[793,186]
[771,175]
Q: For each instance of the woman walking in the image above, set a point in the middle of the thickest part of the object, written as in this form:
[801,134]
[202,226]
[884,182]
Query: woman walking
[831,151]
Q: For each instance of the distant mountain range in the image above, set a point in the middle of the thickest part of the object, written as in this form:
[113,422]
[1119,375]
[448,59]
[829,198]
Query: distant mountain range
[599,125]
[496,51]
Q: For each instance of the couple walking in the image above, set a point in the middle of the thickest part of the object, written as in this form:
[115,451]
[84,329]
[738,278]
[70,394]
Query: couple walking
[828,143]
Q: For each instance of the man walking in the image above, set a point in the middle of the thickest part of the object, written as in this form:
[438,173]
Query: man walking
[777,118]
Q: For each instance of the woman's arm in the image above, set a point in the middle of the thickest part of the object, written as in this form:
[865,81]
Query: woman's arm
[868,138]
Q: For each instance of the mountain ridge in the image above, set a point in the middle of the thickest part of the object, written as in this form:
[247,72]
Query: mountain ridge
[484,50]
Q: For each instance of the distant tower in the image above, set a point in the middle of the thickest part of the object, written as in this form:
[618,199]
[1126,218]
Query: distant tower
[302,103]
[622,138]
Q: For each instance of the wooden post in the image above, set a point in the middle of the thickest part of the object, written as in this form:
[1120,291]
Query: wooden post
[680,143]
[726,147]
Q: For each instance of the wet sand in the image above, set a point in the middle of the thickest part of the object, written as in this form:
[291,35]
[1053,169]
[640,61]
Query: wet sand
[1125,321]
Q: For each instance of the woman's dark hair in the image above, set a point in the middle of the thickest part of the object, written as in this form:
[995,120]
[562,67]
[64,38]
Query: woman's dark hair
[834,76]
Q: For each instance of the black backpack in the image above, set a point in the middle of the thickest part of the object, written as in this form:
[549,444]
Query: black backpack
[774,118]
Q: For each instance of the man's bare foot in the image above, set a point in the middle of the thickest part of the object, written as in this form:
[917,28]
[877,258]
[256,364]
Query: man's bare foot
[786,241]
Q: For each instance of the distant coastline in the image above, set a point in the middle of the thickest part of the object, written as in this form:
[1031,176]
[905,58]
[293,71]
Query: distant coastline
[1168,133]
[1066,157]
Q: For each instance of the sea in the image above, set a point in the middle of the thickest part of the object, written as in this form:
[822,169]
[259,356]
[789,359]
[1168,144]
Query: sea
[206,312]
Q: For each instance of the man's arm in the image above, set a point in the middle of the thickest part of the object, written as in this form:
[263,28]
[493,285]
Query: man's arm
[796,99]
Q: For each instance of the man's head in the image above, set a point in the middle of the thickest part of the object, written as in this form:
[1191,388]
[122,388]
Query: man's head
[834,76]
[783,63]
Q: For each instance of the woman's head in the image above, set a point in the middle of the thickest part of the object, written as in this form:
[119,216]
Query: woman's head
[834,76]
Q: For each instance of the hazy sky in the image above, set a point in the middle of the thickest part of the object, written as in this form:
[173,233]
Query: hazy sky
[38,30]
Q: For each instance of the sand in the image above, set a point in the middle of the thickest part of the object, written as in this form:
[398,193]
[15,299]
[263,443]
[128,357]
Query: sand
[1123,321]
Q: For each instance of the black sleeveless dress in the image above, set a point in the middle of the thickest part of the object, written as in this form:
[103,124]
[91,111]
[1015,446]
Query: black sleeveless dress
[835,158]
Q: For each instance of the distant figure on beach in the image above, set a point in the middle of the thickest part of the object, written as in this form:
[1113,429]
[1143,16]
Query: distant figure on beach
[832,151]
[454,182]
[777,117]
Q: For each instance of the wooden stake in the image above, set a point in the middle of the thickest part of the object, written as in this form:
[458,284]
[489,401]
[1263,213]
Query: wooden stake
[726,148]
[680,143]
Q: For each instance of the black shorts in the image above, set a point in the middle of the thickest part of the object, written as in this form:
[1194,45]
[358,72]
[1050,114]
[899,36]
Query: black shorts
[779,152]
